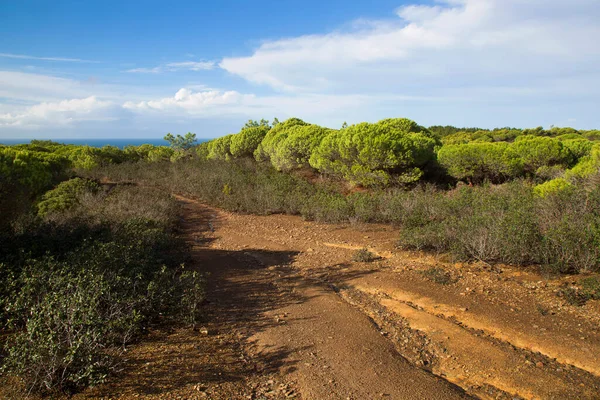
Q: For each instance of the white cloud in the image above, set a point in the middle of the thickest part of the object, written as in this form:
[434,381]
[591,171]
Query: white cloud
[191,65]
[64,112]
[37,87]
[176,66]
[154,70]
[322,108]
[27,57]
[190,102]
[454,44]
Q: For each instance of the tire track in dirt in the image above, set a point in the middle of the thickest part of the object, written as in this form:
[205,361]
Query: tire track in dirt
[489,339]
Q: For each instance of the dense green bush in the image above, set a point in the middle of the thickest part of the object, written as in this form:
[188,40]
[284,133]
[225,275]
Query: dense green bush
[244,143]
[65,195]
[24,175]
[295,149]
[578,147]
[34,170]
[220,148]
[535,152]
[477,162]
[551,187]
[389,151]
[278,133]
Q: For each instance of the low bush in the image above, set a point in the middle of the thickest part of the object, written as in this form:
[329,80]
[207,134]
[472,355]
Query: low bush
[364,255]
[66,195]
[87,280]
[514,223]
[438,275]
[555,186]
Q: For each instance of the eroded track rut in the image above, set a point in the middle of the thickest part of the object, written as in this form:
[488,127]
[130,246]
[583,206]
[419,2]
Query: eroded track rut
[290,315]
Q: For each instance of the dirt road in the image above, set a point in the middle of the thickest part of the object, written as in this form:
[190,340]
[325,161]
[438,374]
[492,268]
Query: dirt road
[289,314]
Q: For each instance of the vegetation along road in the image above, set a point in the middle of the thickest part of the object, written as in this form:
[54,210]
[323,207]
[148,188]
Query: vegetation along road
[299,309]
[296,261]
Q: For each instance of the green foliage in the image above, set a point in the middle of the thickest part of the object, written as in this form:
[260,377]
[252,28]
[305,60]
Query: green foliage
[578,147]
[591,135]
[274,136]
[74,291]
[295,148]
[556,131]
[244,143]
[256,124]
[220,148]
[391,150]
[160,153]
[477,162]
[181,142]
[148,152]
[65,195]
[535,152]
[25,174]
[33,169]
[558,185]
[444,131]
[480,223]
[364,255]
[591,287]
[587,165]
[87,157]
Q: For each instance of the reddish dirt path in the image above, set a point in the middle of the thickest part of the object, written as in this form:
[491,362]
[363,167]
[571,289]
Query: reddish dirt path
[290,315]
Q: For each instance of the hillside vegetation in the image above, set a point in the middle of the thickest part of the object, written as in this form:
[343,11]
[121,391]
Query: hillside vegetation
[89,260]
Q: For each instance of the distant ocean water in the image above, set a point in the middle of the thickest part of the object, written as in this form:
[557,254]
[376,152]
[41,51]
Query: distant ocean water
[120,143]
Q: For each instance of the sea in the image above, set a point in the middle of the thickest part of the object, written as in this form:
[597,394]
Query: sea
[120,143]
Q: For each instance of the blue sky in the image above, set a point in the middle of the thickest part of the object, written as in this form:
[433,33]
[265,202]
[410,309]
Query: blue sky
[121,69]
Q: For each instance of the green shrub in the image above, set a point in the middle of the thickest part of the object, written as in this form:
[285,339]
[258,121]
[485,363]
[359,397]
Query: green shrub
[478,223]
[244,143]
[586,167]
[578,148]
[554,186]
[477,162]
[295,149]
[591,134]
[364,255]
[438,275]
[76,290]
[278,133]
[535,152]
[327,207]
[569,136]
[160,153]
[389,151]
[65,195]
[569,225]
[591,287]
[220,148]
[548,172]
